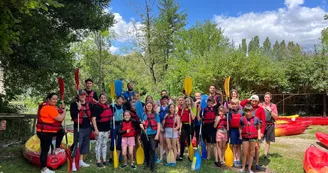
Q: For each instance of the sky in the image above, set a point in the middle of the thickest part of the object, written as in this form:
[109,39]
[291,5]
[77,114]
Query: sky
[300,21]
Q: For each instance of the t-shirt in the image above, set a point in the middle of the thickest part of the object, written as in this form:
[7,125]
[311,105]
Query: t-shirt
[102,126]
[47,115]
[128,95]
[273,107]
[74,113]
[149,130]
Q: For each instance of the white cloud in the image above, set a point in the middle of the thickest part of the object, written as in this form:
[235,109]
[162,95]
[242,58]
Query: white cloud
[292,23]
[113,49]
[125,31]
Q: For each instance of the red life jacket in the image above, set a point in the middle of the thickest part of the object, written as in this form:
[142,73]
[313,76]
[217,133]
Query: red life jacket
[235,119]
[85,111]
[209,116]
[134,115]
[151,122]
[222,123]
[47,126]
[169,122]
[179,111]
[185,118]
[126,126]
[89,97]
[249,130]
[106,115]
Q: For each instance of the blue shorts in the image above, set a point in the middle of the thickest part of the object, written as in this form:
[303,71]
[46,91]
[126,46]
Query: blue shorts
[234,136]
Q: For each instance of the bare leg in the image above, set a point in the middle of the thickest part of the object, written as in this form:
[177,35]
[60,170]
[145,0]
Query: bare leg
[208,146]
[238,152]
[251,154]
[223,148]
[175,151]
[266,148]
[131,148]
[217,151]
[245,153]
[257,152]
[124,155]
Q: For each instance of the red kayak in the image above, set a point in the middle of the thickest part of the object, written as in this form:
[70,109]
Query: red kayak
[322,137]
[53,161]
[289,129]
[315,160]
[315,120]
[307,123]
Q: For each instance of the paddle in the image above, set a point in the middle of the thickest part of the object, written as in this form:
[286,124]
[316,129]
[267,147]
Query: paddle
[170,157]
[203,105]
[67,150]
[228,154]
[187,85]
[118,92]
[140,155]
[77,81]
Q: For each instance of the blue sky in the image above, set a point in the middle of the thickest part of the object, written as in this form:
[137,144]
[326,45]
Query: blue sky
[228,14]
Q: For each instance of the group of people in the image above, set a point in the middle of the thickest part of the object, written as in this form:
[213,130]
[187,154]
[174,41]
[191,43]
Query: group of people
[165,125]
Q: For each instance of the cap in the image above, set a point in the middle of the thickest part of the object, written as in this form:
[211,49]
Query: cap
[248,107]
[81,92]
[255,97]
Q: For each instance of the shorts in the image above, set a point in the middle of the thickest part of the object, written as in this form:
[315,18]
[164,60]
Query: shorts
[168,133]
[250,140]
[128,141]
[269,133]
[84,139]
[209,133]
[234,136]
[221,136]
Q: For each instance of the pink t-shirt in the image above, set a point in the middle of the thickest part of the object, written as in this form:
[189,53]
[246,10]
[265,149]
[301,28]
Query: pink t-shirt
[273,107]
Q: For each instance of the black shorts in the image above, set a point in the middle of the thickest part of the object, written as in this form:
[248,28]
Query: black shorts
[269,133]
[209,133]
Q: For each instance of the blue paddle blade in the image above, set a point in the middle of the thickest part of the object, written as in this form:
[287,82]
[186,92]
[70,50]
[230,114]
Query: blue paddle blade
[203,101]
[204,152]
[196,161]
[139,109]
[118,87]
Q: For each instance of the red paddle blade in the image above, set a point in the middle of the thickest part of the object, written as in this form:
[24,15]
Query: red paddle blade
[77,158]
[77,82]
[61,87]
[69,160]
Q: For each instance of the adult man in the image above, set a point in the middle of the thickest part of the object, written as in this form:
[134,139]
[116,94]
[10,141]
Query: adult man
[271,114]
[259,112]
[128,96]
[91,96]
[164,93]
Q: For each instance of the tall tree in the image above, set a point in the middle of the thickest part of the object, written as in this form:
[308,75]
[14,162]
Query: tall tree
[267,46]
[244,46]
[254,44]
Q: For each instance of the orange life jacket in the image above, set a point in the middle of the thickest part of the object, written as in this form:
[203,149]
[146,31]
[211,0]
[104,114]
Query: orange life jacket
[47,126]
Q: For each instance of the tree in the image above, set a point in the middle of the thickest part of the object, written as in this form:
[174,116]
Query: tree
[254,45]
[244,46]
[267,46]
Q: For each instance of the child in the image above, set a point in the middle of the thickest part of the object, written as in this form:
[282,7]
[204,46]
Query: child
[196,122]
[127,130]
[171,121]
[208,131]
[221,135]
[250,133]
[234,116]
[151,127]
[135,117]
[187,116]
[163,109]
[179,110]
[102,116]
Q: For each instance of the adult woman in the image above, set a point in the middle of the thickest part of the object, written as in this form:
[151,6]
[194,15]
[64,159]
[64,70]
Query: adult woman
[233,95]
[48,126]
[151,127]
[81,115]
[102,117]
[271,113]
[217,95]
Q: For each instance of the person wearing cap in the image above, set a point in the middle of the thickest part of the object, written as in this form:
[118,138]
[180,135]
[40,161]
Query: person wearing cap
[258,112]
[249,133]
[128,96]
[271,114]
[81,114]
[91,96]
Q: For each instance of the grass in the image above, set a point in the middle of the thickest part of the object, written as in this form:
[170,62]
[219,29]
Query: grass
[286,155]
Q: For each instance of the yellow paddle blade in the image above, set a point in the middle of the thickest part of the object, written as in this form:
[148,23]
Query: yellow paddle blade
[112,90]
[187,85]
[115,158]
[170,157]
[190,152]
[140,157]
[228,156]
[227,87]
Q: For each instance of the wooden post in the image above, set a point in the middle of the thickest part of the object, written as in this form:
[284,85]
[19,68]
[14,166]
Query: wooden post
[324,104]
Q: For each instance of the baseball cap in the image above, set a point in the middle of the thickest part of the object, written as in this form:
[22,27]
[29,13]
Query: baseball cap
[255,97]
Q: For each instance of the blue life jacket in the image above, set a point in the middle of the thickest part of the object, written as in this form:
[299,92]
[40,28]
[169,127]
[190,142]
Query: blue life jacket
[162,112]
[118,113]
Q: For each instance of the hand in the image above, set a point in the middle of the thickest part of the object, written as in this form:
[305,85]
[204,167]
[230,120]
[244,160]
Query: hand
[162,130]
[229,106]
[128,131]
[174,129]
[96,132]
[259,138]
[262,135]
[78,105]
[156,137]
[94,100]
[63,106]
[179,132]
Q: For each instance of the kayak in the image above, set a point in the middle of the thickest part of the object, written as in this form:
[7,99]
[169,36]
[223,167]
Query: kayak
[315,160]
[32,154]
[322,137]
[291,116]
[314,120]
[289,129]
[292,121]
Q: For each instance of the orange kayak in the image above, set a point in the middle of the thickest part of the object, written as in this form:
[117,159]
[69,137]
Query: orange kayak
[315,160]
[322,137]
[289,129]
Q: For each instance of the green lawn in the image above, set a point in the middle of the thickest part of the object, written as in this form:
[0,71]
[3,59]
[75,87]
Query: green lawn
[286,156]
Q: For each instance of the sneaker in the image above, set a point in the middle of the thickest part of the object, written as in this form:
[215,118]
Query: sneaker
[173,164]
[123,166]
[180,158]
[167,164]
[258,168]
[100,165]
[59,150]
[217,164]
[74,167]
[251,171]
[134,167]
[110,161]
[222,163]
[105,163]
[159,161]
[47,171]
[82,164]
[241,170]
